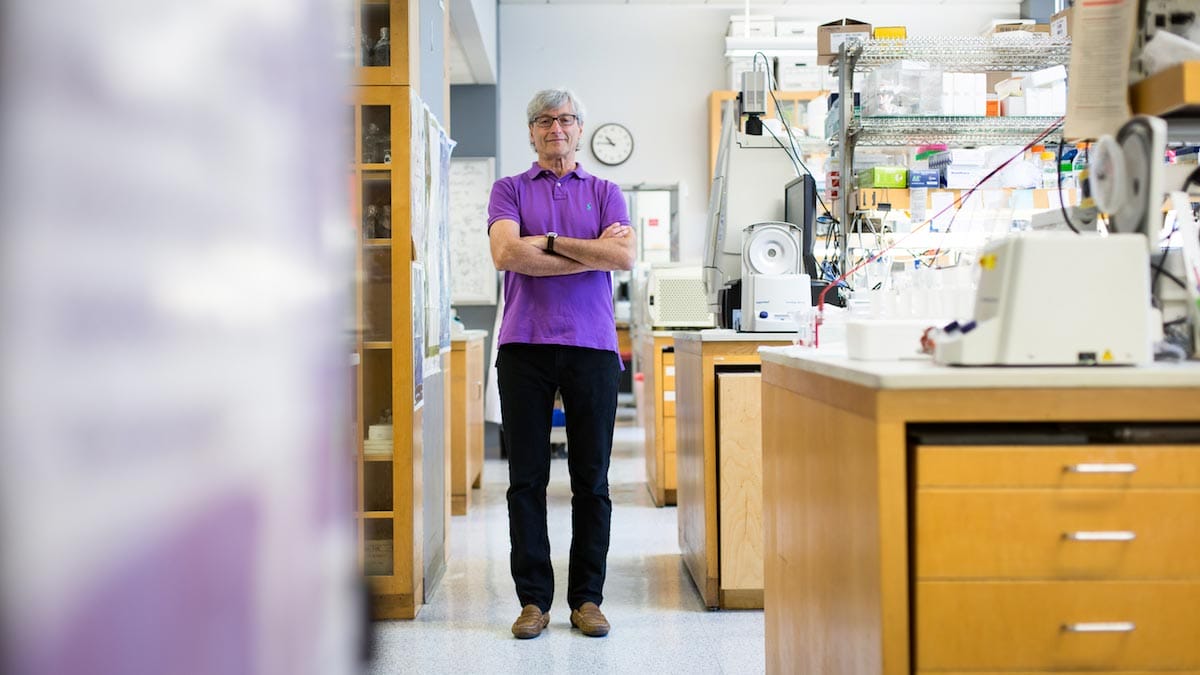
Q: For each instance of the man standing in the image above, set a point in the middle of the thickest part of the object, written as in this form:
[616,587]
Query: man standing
[557,232]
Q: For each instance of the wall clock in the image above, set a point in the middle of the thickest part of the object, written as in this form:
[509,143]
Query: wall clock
[612,143]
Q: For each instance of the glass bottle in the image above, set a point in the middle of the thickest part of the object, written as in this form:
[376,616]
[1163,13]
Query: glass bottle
[1049,170]
[383,227]
[382,54]
[371,222]
[372,141]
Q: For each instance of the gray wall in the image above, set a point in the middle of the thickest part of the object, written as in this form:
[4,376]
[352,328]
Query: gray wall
[433,57]
[473,120]
[1038,10]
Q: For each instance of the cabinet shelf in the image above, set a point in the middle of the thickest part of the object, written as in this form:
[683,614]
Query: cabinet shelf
[377,344]
[376,515]
[963,54]
[959,131]
[368,457]
[377,243]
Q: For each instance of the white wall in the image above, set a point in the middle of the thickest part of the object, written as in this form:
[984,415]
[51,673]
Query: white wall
[651,68]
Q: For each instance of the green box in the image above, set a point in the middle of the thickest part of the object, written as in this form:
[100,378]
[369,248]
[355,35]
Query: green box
[883,177]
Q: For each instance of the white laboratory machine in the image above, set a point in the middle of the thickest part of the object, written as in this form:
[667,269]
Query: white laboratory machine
[1057,299]
[675,297]
[1061,298]
[774,286]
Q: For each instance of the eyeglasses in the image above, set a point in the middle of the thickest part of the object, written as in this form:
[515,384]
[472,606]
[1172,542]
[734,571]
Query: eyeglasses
[564,121]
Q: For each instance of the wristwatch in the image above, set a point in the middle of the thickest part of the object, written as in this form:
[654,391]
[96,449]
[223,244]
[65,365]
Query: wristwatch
[550,237]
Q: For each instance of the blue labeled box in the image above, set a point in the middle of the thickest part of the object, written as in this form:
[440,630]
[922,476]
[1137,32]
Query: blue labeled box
[924,178]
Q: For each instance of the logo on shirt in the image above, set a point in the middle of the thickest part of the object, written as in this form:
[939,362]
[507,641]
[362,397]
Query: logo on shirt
[589,206]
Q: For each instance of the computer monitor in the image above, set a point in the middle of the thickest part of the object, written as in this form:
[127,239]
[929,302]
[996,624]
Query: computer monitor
[800,208]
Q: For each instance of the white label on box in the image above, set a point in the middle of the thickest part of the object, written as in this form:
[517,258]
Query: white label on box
[669,395]
[1058,27]
[669,371]
[836,39]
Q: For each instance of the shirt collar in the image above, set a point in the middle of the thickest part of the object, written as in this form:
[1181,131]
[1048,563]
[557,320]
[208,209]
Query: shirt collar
[535,170]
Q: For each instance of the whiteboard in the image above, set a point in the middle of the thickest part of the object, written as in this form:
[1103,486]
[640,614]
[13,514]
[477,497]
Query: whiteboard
[472,274]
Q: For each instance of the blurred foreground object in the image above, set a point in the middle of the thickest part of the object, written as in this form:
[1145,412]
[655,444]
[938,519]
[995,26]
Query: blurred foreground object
[176,268]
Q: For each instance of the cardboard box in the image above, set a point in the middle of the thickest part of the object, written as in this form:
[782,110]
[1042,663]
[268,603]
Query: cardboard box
[994,23]
[871,198]
[1174,90]
[995,77]
[883,177]
[1061,23]
[998,26]
[830,37]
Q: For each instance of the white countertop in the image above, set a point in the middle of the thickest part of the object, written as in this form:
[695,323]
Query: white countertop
[727,335]
[925,374]
[468,335]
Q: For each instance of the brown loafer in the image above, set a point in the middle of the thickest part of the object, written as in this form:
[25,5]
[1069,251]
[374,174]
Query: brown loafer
[589,620]
[531,623]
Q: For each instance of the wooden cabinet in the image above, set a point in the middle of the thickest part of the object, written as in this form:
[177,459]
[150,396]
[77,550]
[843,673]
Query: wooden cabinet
[1042,542]
[720,464]
[1059,571]
[466,418]
[656,411]
[387,428]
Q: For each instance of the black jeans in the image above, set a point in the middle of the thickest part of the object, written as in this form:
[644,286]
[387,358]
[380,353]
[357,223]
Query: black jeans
[529,376]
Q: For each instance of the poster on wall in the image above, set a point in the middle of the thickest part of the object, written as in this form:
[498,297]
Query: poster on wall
[446,147]
[418,197]
[473,276]
[436,254]
[418,328]
[435,243]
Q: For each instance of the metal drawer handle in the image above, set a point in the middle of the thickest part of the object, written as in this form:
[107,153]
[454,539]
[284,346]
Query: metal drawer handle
[1100,536]
[1100,627]
[1100,468]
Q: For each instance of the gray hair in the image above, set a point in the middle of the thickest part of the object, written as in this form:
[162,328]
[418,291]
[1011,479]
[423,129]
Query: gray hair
[548,99]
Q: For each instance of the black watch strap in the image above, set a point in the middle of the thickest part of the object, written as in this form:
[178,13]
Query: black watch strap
[550,237]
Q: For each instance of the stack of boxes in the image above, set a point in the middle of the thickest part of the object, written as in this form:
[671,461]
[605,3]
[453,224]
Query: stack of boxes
[964,94]
[1042,92]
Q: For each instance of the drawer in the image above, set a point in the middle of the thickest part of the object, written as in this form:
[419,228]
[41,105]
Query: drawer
[1086,466]
[1057,534]
[1024,625]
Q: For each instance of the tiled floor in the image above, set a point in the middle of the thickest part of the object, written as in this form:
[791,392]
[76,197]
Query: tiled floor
[659,623]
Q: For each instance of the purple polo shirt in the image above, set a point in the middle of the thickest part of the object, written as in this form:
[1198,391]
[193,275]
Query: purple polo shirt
[574,309]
